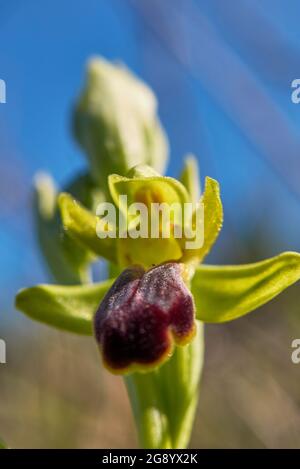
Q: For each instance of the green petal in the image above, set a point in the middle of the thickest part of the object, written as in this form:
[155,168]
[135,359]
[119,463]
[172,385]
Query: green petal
[81,225]
[223,293]
[213,215]
[65,307]
[213,220]
[190,178]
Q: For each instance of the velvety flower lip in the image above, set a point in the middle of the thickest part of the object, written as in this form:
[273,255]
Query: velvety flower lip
[142,315]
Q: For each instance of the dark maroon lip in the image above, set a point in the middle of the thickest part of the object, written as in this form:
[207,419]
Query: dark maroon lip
[142,315]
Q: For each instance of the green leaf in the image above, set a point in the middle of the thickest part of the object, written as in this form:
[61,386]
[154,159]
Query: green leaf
[116,123]
[213,220]
[81,225]
[190,178]
[65,307]
[223,293]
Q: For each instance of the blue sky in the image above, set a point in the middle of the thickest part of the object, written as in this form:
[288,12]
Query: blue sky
[222,76]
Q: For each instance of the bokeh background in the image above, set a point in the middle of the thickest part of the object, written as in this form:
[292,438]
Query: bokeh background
[222,71]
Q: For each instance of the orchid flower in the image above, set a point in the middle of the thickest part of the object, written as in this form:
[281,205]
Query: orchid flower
[147,318]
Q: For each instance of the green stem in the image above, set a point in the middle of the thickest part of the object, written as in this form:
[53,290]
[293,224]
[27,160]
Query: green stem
[148,409]
[164,401]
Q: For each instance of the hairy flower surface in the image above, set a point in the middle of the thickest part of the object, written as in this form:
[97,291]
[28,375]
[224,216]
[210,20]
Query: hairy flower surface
[142,315]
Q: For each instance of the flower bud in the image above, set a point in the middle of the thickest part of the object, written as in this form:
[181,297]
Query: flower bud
[67,261]
[115,122]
